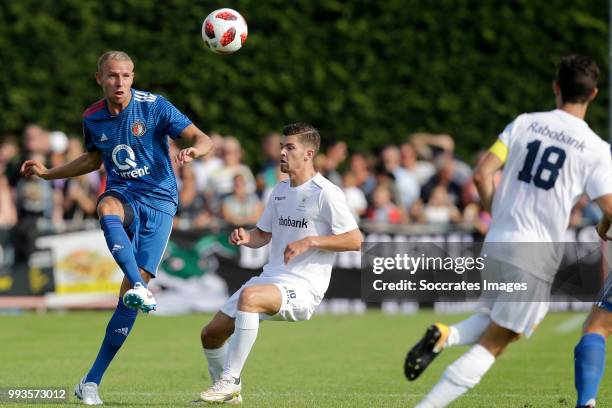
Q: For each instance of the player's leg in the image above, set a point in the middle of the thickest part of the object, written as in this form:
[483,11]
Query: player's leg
[466,372]
[214,342]
[117,330]
[590,354]
[437,337]
[113,213]
[252,300]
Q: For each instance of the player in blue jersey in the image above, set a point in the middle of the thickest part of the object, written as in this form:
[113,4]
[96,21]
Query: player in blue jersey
[128,131]
[590,352]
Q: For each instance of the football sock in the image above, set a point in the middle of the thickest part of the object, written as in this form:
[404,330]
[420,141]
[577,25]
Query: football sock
[117,330]
[245,333]
[121,248]
[468,331]
[216,359]
[459,377]
[589,363]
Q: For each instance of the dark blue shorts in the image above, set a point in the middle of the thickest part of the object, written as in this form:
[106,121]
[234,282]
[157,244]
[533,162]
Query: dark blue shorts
[149,230]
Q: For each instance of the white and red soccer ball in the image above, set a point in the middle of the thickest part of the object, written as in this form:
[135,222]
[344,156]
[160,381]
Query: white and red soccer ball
[224,31]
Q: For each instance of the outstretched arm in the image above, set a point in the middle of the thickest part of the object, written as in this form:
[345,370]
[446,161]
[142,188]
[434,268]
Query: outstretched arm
[202,145]
[85,163]
[254,238]
[348,241]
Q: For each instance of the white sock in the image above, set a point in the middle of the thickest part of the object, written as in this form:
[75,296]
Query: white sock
[245,333]
[216,360]
[459,377]
[468,331]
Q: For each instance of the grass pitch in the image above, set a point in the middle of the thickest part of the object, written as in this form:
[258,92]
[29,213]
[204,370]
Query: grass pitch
[330,361]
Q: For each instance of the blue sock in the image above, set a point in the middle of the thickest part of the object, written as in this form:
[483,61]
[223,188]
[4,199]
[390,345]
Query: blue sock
[121,247]
[117,331]
[589,363]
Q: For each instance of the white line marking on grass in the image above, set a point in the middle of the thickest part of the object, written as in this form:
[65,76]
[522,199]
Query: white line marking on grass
[570,324]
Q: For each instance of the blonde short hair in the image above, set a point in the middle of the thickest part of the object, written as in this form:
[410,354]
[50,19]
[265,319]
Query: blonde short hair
[112,55]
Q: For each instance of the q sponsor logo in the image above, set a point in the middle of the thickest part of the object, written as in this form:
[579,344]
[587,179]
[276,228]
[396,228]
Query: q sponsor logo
[125,160]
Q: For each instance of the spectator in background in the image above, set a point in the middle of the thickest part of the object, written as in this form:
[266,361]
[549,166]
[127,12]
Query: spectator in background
[445,166]
[360,167]
[207,165]
[431,146]
[241,208]
[585,212]
[439,210]
[222,180]
[192,211]
[335,154]
[423,170]
[8,212]
[36,140]
[10,158]
[355,198]
[268,175]
[405,181]
[383,210]
[319,163]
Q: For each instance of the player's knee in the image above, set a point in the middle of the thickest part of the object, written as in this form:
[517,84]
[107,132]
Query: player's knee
[248,299]
[212,336]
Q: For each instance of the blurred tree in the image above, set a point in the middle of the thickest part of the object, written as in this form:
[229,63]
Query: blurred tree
[369,72]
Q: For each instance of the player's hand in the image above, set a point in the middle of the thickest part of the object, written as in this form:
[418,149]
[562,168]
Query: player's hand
[239,236]
[186,155]
[602,230]
[296,248]
[33,168]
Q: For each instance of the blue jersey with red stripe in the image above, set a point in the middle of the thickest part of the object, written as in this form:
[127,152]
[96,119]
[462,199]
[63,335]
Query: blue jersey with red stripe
[134,147]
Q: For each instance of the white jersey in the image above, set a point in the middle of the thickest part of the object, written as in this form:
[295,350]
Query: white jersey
[553,158]
[315,208]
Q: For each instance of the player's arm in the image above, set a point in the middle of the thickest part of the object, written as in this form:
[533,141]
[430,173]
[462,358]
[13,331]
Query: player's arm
[202,145]
[85,163]
[254,238]
[605,203]
[484,175]
[347,241]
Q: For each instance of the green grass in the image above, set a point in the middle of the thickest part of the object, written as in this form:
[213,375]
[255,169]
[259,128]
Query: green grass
[330,361]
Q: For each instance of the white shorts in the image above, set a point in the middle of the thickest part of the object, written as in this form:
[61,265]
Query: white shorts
[521,313]
[298,303]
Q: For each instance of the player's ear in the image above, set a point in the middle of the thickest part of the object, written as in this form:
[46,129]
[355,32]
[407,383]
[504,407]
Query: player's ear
[593,95]
[98,78]
[556,89]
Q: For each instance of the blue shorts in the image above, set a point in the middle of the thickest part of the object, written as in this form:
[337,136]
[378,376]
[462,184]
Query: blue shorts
[149,230]
[605,298]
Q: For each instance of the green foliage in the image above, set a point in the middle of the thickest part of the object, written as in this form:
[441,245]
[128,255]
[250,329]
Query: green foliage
[365,71]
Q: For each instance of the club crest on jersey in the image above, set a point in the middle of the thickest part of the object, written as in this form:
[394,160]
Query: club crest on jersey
[138,128]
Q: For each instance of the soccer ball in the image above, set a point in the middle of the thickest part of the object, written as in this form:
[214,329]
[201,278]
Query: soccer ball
[224,31]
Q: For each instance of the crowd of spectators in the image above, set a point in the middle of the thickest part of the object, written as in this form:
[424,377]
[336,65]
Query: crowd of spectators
[420,181]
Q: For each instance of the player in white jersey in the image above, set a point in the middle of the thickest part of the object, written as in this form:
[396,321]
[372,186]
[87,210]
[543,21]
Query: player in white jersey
[306,220]
[549,160]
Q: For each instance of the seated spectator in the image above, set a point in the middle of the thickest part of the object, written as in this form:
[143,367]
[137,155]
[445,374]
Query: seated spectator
[8,212]
[79,198]
[383,209]
[192,211]
[440,209]
[355,197]
[267,176]
[10,160]
[335,154]
[422,169]
[241,207]
[222,180]
[205,166]
[406,182]
[361,169]
[444,177]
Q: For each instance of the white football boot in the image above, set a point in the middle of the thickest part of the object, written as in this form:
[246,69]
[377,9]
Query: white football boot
[224,391]
[141,298]
[87,392]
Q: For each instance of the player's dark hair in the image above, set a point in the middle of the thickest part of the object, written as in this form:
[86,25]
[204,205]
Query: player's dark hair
[577,77]
[306,134]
